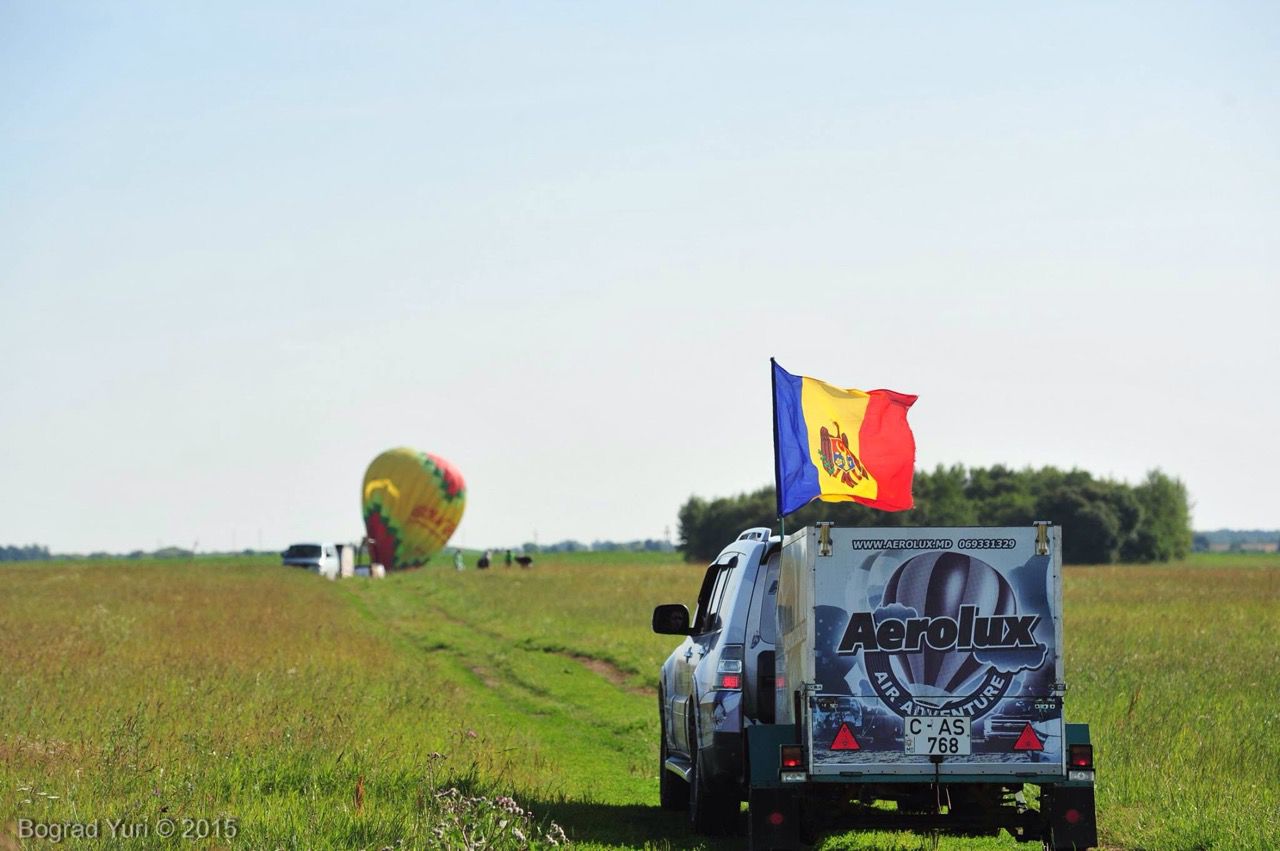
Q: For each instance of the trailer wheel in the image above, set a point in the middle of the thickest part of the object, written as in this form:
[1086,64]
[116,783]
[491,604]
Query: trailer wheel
[673,792]
[712,810]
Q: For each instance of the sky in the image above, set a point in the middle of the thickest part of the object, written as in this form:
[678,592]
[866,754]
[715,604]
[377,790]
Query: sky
[245,247]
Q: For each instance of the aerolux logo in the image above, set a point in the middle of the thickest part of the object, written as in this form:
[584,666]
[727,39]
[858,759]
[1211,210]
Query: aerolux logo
[945,636]
[918,665]
[911,635]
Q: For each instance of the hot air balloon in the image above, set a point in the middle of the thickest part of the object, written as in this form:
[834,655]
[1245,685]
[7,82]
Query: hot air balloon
[936,584]
[412,501]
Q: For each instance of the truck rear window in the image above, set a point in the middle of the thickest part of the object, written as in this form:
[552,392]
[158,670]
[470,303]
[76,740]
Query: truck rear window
[769,609]
[303,551]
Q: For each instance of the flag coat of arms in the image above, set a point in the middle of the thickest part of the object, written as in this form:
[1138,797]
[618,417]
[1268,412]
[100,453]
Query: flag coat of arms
[838,444]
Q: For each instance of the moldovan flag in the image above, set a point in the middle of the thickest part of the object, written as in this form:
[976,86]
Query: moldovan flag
[840,444]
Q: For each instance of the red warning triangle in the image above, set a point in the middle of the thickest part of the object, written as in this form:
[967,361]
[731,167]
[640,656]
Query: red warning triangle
[844,740]
[1028,741]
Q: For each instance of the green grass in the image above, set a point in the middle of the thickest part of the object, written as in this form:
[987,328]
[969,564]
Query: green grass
[142,690]
[1175,669]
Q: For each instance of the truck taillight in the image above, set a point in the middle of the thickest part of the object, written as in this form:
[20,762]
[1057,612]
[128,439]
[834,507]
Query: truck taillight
[729,668]
[792,757]
[1080,756]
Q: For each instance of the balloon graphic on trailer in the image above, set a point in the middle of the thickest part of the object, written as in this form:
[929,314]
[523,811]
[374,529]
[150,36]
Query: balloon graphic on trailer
[936,584]
[411,502]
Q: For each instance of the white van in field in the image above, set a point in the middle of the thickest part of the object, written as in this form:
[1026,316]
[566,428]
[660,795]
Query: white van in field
[324,559]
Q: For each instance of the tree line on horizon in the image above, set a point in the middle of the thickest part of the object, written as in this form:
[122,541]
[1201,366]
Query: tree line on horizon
[30,552]
[35,552]
[1104,521]
[570,545]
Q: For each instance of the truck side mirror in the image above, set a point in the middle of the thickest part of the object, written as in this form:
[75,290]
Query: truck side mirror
[671,619]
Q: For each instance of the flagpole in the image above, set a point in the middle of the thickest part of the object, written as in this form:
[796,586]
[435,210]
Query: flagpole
[777,462]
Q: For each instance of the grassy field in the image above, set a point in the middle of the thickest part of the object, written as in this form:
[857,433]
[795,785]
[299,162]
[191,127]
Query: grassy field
[321,714]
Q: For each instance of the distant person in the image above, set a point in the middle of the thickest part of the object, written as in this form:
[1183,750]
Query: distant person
[508,558]
[483,563]
[457,560]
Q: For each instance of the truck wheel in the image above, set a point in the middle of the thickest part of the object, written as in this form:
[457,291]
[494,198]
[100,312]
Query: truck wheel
[712,811]
[673,792]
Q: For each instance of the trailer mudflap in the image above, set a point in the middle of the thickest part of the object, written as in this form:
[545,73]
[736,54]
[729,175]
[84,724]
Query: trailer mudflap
[774,820]
[773,816]
[1068,810]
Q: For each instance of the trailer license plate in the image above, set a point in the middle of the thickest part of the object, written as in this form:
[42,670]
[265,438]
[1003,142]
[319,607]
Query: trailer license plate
[943,735]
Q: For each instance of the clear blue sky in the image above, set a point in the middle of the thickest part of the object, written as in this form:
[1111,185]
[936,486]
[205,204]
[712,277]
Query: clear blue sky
[246,247]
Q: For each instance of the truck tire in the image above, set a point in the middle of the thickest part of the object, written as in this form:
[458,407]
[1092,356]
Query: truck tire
[673,792]
[712,810]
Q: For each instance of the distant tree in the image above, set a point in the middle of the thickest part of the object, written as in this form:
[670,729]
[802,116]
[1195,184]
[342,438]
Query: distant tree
[30,552]
[941,499]
[1094,530]
[1003,497]
[568,546]
[691,522]
[705,527]
[1164,531]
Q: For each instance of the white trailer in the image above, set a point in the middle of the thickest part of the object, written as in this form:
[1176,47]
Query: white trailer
[922,666]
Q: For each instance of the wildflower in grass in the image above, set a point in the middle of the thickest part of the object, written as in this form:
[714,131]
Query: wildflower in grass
[509,805]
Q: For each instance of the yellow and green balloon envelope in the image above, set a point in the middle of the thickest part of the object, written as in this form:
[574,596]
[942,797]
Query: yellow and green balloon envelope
[412,502]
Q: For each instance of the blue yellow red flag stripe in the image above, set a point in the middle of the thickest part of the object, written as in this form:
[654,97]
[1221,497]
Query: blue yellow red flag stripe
[840,444]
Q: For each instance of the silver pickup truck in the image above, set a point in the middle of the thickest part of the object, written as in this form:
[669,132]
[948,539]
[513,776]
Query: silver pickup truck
[718,681]
[899,678]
